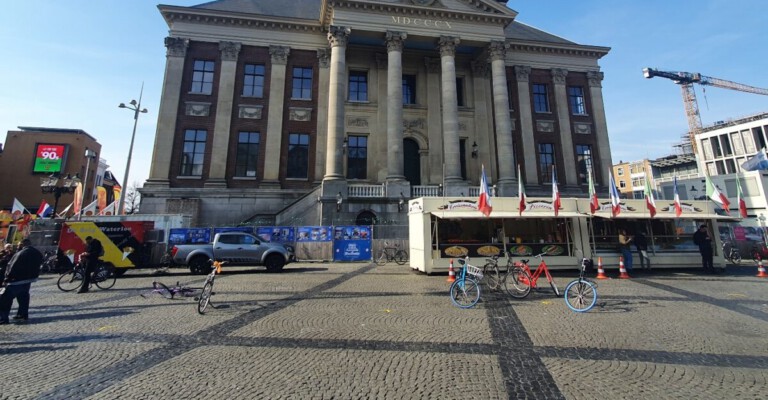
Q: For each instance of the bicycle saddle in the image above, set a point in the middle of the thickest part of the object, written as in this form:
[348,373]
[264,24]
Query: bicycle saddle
[461,261]
[524,261]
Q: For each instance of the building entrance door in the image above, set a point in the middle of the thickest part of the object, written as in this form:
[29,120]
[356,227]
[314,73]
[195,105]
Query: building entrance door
[411,161]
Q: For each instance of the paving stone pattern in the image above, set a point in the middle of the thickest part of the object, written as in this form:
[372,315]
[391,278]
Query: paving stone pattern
[358,331]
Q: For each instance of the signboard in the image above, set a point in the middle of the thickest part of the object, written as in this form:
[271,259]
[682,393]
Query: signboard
[352,243]
[189,235]
[314,233]
[123,242]
[48,158]
[278,234]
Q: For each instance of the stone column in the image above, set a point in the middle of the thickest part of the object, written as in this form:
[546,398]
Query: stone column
[522,74]
[221,134]
[394,41]
[274,138]
[434,128]
[323,60]
[507,183]
[601,126]
[564,120]
[451,141]
[338,37]
[167,113]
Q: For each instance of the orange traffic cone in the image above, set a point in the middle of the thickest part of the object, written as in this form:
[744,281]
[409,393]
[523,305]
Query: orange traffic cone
[622,271]
[451,273]
[761,270]
[600,271]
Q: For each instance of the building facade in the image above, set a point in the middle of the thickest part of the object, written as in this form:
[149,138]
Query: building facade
[338,110]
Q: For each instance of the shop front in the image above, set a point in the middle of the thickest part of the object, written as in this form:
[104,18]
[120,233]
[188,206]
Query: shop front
[442,229]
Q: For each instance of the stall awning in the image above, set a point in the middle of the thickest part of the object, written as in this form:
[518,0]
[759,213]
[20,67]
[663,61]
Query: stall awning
[504,214]
[684,215]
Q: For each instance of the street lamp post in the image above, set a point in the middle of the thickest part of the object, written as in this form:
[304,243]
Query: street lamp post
[89,154]
[51,185]
[761,219]
[136,108]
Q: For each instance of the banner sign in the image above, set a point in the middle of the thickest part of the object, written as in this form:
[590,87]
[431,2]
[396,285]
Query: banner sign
[189,235]
[352,243]
[278,234]
[48,158]
[314,233]
[244,229]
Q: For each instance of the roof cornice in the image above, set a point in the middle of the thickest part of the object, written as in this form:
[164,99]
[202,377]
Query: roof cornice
[527,46]
[173,14]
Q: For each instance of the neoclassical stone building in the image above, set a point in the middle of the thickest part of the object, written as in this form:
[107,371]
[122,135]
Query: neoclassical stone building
[328,111]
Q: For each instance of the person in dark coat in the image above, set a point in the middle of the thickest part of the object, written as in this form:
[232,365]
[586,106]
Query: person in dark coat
[641,244]
[702,239]
[5,257]
[22,270]
[90,257]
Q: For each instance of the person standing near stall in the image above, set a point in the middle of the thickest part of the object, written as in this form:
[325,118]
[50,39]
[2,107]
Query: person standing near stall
[626,251]
[702,239]
[641,244]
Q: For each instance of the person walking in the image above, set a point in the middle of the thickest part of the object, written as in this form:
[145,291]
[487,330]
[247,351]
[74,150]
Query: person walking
[90,257]
[641,244]
[702,239]
[626,251]
[22,270]
[5,257]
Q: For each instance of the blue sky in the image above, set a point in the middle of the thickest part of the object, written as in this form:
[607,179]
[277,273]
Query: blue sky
[68,64]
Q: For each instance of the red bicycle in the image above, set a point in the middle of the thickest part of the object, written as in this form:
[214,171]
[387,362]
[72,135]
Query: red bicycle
[521,280]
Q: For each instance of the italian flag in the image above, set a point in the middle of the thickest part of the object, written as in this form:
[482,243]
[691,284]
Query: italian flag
[718,197]
[594,204]
[740,199]
[521,191]
[650,202]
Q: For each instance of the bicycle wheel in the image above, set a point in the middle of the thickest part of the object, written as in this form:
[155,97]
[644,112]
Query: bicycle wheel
[491,276]
[465,293]
[104,278]
[736,257]
[401,257]
[205,297]
[517,283]
[554,287]
[70,280]
[381,258]
[163,290]
[580,295]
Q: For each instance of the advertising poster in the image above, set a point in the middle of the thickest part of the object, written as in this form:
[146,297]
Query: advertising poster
[352,243]
[277,234]
[123,242]
[314,234]
[189,235]
[48,158]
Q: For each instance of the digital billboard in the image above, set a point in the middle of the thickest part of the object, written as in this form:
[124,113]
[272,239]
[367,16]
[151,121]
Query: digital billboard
[48,158]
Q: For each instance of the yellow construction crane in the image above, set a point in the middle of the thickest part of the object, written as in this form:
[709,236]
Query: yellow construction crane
[686,81]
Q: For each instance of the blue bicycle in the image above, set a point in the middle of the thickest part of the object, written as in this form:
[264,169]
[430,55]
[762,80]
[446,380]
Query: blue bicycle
[465,291]
[581,294]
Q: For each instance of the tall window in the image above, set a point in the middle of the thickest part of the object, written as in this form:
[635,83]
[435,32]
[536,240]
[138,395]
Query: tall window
[576,97]
[193,153]
[302,83]
[460,92]
[546,161]
[540,98]
[358,86]
[298,155]
[584,162]
[409,89]
[357,157]
[247,154]
[253,80]
[202,77]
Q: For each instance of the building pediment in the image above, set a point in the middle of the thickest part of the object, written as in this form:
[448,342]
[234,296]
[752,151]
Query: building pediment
[477,11]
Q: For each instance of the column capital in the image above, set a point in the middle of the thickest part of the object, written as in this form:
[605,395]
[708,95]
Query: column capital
[522,72]
[176,47]
[558,75]
[497,50]
[595,78]
[394,40]
[432,64]
[229,50]
[324,57]
[447,45]
[279,54]
[338,35]
[479,68]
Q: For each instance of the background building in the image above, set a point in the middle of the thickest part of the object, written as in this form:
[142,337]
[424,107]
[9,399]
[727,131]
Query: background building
[331,112]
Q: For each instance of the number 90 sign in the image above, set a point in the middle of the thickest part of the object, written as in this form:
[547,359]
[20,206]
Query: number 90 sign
[49,158]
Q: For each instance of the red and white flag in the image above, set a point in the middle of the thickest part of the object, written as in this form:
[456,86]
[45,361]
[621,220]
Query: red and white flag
[615,201]
[650,202]
[521,191]
[717,196]
[678,206]
[484,202]
[18,209]
[555,193]
[594,203]
[740,199]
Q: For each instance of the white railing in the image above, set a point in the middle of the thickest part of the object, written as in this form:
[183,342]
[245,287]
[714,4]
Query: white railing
[366,190]
[425,191]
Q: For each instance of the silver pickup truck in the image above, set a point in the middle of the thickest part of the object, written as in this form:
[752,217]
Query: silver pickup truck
[237,248]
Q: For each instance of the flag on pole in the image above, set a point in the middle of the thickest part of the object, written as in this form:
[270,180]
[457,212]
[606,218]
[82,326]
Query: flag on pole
[555,193]
[17,212]
[757,162]
[650,202]
[594,203]
[45,210]
[101,196]
[521,191]
[78,198]
[678,206]
[615,201]
[109,210]
[90,209]
[64,212]
[740,199]
[717,196]
[484,202]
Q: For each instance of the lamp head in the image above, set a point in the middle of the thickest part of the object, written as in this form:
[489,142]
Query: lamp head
[143,110]
[474,149]
[122,105]
[133,102]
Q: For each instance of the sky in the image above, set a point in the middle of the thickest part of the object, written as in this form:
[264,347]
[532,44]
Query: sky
[69,64]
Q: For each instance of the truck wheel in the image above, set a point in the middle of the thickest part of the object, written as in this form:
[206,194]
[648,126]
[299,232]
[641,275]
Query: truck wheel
[274,262]
[199,265]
